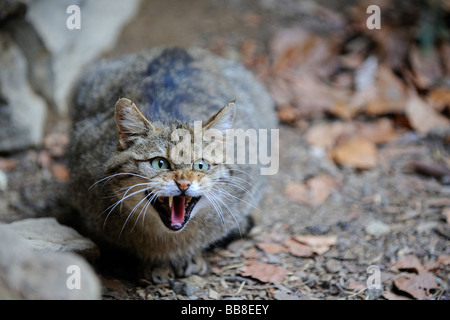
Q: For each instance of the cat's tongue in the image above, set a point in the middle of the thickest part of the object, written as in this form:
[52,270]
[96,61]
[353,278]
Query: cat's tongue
[177,211]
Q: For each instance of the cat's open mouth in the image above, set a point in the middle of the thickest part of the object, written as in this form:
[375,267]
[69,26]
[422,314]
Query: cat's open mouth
[175,211]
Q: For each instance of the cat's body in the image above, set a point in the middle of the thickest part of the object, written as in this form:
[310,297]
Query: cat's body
[120,153]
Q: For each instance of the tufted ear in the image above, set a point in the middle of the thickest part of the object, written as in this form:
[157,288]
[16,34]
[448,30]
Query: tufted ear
[131,123]
[223,120]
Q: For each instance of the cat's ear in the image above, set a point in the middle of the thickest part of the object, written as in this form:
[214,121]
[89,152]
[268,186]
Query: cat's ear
[131,123]
[223,120]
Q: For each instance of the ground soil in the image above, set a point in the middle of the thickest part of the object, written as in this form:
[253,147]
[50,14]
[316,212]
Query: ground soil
[378,215]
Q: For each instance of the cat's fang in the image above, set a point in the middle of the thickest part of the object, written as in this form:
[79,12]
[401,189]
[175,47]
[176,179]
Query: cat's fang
[170,201]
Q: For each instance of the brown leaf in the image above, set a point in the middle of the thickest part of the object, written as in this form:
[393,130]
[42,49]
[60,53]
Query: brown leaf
[380,131]
[439,98]
[61,172]
[7,164]
[326,134]
[422,117]
[264,272]
[389,295]
[388,96]
[444,260]
[446,213]
[288,114]
[299,250]
[313,193]
[426,66]
[270,247]
[357,152]
[409,263]
[297,192]
[417,285]
[356,286]
[319,244]
[320,188]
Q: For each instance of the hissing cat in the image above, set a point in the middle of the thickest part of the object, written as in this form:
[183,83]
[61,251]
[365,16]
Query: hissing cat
[125,184]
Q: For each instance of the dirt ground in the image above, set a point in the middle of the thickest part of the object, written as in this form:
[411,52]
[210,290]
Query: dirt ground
[323,224]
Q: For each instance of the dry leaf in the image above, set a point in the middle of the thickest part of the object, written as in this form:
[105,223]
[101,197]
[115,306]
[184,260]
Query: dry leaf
[326,134]
[360,153]
[378,132]
[408,263]
[422,117]
[439,98]
[426,66]
[417,285]
[389,295]
[264,272]
[270,247]
[313,193]
[444,260]
[7,164]
[297,192]
[288,114]
[356,286]
[446,213]
[320,188]
[299,250]
[319,244]
[389,95]
[61,172]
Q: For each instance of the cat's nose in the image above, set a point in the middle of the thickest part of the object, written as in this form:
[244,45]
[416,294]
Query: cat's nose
[183,184]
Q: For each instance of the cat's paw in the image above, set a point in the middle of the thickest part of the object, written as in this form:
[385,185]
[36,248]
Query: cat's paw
[188,266]
[161,273]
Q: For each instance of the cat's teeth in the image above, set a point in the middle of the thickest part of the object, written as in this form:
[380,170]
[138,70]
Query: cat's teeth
[170,201]
[188,201]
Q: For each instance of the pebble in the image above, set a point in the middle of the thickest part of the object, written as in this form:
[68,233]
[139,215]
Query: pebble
[377,228]
[46,234]
[38,275]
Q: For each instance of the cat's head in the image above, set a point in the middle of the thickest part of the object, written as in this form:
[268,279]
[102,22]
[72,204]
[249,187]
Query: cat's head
[155,168]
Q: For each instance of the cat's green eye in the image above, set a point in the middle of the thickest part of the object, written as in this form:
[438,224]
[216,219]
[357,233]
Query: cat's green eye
[159,163]
[200,165]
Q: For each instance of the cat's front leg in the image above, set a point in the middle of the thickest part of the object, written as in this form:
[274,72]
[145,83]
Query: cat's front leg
[189,265]
[160,272]
[165,271]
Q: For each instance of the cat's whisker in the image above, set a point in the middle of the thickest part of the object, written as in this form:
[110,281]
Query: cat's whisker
[115,175]
[153,195]
[227,194]
[217,208]
[131,214]
[242,171]
[226,207]
[114,205]
[239,186]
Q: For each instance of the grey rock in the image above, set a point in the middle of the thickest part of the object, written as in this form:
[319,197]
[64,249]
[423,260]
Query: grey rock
[22,111]
[46,234]
[101,22]
[33,275]
[377,228]
[333,265]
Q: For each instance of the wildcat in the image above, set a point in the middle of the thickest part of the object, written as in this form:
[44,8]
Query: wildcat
[125,185]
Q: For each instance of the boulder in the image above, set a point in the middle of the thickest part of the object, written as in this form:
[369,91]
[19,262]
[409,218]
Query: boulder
[35,275]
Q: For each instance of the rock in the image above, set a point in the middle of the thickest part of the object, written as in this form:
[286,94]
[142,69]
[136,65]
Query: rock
[22,111]
[41,58]
[33,275]
[46,234]
[377,228]
[101,22]
[333,265]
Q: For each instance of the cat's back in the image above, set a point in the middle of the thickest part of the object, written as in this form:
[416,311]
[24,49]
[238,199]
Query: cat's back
[174,83]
